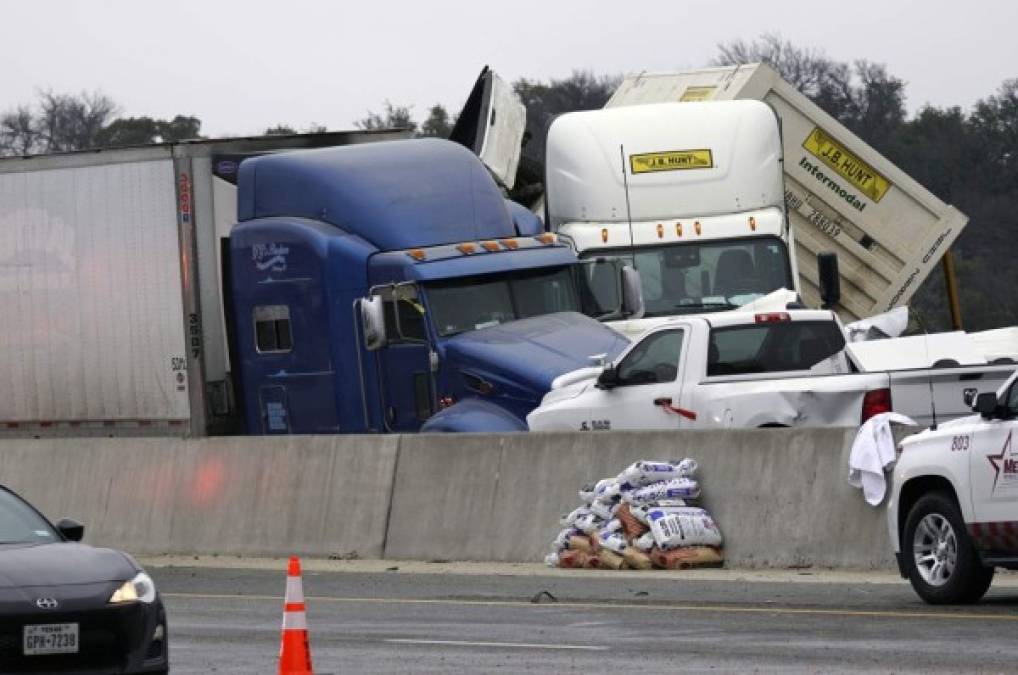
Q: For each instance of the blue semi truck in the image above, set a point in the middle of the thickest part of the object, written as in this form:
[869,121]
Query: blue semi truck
[390,287]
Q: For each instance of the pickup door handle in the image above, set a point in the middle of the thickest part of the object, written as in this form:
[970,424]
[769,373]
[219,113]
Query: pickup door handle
[666,403]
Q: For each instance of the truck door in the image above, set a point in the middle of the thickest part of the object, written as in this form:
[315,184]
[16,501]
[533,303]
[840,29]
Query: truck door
[648,390]
[993,476]
[404,369]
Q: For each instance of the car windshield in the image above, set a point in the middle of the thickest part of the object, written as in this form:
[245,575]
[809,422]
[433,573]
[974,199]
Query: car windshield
[20,524]
[472,303]
[707,276]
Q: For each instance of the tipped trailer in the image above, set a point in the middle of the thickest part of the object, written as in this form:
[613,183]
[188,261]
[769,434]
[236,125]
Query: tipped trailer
[887,230]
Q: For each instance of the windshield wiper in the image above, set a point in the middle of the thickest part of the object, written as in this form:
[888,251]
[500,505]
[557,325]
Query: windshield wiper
[707,305]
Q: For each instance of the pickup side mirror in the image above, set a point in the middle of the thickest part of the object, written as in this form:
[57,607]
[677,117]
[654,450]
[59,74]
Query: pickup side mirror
[830,280]
[71,529]
[608,379]
[986,404]
[632,293]
[372,311]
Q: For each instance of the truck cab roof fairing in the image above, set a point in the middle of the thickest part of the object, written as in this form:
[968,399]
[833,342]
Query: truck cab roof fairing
[380,192]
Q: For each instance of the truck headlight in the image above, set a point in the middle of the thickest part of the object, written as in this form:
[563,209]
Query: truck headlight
[141,587]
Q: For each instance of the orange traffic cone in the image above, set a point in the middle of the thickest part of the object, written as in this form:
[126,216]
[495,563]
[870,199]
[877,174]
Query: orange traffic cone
[295,650]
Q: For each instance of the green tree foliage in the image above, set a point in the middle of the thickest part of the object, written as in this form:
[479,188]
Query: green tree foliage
[438,123]
[582,90]
[144,130]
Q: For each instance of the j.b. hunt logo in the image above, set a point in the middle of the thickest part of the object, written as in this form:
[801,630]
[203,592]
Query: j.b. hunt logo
[1005,464]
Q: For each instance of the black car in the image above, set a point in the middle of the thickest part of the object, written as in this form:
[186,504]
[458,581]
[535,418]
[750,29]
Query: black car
[68,607]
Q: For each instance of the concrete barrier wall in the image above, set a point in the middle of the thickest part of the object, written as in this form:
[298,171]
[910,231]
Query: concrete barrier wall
[314,495]
[780,496]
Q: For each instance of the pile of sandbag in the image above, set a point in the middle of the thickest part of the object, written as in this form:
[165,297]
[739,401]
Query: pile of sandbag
[646,517]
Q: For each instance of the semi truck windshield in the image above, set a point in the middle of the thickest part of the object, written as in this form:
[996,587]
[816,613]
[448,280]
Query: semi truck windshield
[707,276]
[472,303]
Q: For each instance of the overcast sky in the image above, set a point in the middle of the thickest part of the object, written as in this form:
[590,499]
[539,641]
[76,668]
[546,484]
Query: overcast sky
[241,66]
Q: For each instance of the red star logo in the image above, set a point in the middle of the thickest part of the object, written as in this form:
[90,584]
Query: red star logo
[999,458]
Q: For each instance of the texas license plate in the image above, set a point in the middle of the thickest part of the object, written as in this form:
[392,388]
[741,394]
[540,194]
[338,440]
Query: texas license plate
[51,638]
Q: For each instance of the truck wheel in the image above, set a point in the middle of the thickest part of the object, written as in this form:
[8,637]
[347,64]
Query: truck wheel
[940,559]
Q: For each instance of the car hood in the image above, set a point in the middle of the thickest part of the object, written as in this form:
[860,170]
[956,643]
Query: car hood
[61,564]
[528,354]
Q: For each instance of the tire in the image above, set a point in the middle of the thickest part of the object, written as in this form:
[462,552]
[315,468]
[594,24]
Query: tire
[939,557]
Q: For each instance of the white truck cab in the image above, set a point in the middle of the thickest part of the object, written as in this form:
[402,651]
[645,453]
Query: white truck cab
[953,510]
[690,194]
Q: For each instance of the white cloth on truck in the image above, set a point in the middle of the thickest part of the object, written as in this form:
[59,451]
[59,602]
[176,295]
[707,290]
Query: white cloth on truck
[872,452]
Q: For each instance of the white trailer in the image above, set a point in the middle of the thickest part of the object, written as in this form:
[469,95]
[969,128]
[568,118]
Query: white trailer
[842,195]
[110,286]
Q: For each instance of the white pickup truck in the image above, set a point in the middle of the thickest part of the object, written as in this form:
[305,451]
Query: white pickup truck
[953,510]
[737,369]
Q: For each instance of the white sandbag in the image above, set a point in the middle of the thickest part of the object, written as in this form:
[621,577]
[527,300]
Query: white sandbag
[687,526]
[570,519]
[561,541]
[604,509]
[644,542]
[676,488]
[613,525]
[588,492]
[640,511]
[589,524]
[615,542]
[646,472]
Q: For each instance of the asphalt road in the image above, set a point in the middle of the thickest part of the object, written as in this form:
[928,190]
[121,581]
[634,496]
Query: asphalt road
[442,619]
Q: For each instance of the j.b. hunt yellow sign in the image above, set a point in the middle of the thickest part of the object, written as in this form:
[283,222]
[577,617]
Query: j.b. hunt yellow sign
[863,176]
[672,160]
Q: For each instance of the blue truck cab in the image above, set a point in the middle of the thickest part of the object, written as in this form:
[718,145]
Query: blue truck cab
[390,287]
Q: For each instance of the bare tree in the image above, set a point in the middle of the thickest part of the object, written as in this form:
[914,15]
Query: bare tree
[67,122]
[18,132]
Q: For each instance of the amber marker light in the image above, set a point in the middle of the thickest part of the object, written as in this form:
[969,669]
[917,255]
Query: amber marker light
[604,235]
[546,238]
[466,248]
[660,231]
[490,245]
[678,229]
[752,223]
[417,254]
[511,244]
[696,226]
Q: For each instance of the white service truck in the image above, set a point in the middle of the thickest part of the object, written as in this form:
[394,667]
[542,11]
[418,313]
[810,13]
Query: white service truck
[842,196]
[767,369]
[691,195]
[953,511]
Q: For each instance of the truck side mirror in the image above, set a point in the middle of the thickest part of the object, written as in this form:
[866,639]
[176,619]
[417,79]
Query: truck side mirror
[372,311]
[986,404]
[632,293]
[608,379]
[830,280]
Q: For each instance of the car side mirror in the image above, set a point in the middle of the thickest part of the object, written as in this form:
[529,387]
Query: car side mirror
[608,379]
[632,293]
[72,530]
[372,311]
[986,404]
[830,280]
